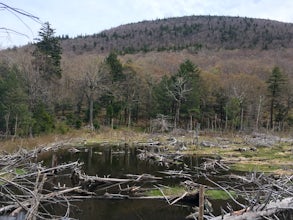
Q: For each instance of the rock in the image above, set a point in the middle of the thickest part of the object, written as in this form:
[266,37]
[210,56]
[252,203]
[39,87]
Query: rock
[253,149]
[242,149]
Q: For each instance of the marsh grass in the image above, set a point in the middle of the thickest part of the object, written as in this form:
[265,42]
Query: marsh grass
[19,171]
[168,191]
[12,145]
[215,194]
[277,159]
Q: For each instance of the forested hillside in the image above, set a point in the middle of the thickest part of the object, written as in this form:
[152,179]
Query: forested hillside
[194,32]
[222,73]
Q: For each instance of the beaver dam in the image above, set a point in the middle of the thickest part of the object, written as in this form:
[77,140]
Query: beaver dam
[142,181]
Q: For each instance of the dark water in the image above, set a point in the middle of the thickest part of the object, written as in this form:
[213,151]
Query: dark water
[116,162]
[130,209]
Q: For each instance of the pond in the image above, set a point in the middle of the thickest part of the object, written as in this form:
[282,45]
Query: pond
[115,161]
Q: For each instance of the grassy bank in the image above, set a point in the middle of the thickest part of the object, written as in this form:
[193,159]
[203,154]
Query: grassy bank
[233,149]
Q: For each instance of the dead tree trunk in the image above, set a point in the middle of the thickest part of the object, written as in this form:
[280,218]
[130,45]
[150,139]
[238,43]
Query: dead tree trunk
[261,211]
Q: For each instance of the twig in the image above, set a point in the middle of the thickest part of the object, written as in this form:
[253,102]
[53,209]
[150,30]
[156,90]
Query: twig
[163,194]
[179,198]
[228,193]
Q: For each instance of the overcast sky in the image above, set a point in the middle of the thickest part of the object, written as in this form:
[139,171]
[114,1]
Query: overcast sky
[75,17]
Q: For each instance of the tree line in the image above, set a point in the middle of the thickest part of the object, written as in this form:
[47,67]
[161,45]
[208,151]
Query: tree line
[35,96]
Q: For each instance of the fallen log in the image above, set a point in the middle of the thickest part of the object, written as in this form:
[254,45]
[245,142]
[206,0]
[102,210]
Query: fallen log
[177,174]
[143,177]
[260,211]
[91,183]
[86,178]
[104,179]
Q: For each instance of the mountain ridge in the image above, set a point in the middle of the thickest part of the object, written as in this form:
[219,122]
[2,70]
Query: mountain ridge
[193,32]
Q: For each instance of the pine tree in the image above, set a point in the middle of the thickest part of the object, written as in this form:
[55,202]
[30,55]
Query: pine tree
[47,54]
[14,112]
[275,83]
[116,68]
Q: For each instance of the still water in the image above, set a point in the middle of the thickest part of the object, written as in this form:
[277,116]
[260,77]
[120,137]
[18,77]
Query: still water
[117,162]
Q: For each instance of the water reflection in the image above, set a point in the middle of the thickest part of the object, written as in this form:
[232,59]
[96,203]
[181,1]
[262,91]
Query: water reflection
[129,209]
[117,162]
[112,161]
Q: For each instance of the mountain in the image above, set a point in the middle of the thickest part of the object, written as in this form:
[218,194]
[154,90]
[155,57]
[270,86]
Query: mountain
[192,32]
[216,44]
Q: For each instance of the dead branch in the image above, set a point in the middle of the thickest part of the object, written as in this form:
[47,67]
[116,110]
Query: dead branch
[179,198]
[228,193]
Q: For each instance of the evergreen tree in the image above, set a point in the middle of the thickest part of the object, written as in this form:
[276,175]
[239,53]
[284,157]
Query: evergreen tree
[276,84]
[184,90]
[14,114]
[116,68]
[191,103]
[47,54]
[47,66]
[162,101]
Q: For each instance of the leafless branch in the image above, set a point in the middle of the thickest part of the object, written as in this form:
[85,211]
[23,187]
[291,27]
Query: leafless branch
[19,14]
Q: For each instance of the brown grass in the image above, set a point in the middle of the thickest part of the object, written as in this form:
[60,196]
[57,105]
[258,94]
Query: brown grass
[12,145]
[102,135]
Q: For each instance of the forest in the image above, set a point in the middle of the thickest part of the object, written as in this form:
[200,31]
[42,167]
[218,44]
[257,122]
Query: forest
[49,87]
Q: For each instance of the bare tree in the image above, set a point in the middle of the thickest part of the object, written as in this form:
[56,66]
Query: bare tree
[182,86]
[95,83]
[19,14]
[178,92]
[247,91]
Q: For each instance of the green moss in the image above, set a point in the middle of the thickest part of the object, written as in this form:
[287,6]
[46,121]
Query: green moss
[154,192]
[277,152]
[19,171]
[168,191]
[266,159]
[219,194]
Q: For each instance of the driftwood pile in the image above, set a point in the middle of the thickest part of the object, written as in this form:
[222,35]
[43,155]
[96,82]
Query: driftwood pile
[258,196]
[27,187]
[261,196]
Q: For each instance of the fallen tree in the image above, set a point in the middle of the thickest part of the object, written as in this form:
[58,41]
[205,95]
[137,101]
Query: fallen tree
[261,211]
[267,197]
